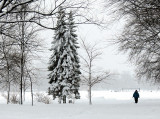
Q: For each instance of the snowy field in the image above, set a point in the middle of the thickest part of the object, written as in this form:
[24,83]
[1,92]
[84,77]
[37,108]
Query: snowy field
[106,105]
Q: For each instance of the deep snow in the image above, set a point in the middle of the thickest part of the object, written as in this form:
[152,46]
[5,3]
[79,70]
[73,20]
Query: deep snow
[106,105]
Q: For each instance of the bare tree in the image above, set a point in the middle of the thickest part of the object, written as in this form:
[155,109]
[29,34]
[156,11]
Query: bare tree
[90,77]
[24,36]
[141,35]
[31,78]
[9,64]
[15,14]
[43,12]
[28,43]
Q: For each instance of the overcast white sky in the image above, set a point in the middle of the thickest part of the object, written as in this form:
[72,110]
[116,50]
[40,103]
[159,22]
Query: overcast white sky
[111,58]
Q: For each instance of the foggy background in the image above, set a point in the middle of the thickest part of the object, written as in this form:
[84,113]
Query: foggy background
[111,59]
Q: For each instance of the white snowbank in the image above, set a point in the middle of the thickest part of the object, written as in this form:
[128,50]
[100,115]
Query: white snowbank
[106,105]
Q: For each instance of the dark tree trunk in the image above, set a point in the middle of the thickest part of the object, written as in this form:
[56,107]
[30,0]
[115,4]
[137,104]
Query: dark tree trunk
[64,99]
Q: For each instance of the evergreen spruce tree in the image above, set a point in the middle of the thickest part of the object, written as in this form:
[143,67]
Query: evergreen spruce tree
[64,62]
[72,57]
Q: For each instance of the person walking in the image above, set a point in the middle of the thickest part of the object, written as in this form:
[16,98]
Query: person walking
[136,96]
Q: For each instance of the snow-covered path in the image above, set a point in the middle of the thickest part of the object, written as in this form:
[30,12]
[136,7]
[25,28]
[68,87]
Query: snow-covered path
[103,109]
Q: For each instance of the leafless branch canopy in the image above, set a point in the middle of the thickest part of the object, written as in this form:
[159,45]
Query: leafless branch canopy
[99,78]
[42,12]
[91,77]
[141,37]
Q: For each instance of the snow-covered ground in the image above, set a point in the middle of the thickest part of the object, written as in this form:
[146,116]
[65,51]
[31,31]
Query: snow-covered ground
[106,105]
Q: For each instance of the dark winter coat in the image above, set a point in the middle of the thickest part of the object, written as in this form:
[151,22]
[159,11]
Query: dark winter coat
[136,94]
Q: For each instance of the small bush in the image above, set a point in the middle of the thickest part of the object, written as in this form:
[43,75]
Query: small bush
[14,98]
[40,97]
[4,95]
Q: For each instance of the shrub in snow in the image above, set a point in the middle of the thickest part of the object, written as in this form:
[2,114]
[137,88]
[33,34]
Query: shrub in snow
[40,97]
[4,95]
[71,98]
[14,98]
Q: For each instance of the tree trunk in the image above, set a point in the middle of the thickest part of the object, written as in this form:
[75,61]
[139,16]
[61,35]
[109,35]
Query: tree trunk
[31,87]
[90,83]
[24,91]
[21,77]
[8,93]
[64,99]
[22,60]
[90,95]
[32,93]
[59,100]
[8,83]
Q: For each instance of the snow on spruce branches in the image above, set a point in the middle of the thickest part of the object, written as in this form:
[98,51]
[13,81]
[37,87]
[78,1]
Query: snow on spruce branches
[64,62]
